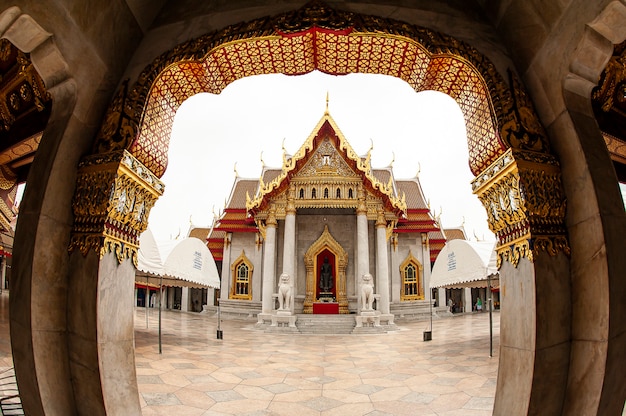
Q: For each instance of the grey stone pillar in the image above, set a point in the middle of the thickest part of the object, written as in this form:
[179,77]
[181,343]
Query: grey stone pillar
[382,263]
[184,300]
[467,299]
[269,257]
[363,258]
[225,284]
[3,273]
[426,267]
[289,239]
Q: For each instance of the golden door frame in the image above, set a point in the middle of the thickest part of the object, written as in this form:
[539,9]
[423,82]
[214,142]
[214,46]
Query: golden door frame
[326,241]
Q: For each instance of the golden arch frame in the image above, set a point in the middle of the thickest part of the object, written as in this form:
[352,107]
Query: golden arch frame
[317,37]
[326,241]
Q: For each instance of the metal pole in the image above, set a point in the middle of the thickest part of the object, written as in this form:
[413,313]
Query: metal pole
[220,335]
[160,301]
[490,315]
[146,298]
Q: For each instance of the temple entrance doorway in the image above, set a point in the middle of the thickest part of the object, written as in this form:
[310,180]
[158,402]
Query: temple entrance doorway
[326,290]
[326,286]
[326,263]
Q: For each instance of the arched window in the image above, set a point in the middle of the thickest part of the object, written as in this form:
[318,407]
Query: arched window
[241,270]
[313,194]
[326,193]
[350,194]
[301,193]
[338,193]
[411,272]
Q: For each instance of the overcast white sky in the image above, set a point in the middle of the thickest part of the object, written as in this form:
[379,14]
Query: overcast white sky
[419,132]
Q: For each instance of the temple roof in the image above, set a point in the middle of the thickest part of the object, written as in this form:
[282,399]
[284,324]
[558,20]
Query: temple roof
[327,129]
[455,233]
[414,194]
[402,197]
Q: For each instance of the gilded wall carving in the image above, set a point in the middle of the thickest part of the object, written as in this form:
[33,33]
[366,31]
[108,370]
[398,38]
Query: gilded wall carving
[111,204]
[282,44]
[498,114]
[523,196]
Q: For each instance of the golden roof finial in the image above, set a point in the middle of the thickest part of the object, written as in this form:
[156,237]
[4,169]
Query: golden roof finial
[326,112]
[419,170]
[235,170]
[262,161]
[393,159]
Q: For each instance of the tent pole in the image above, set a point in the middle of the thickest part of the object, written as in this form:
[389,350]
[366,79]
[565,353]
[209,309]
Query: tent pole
[146,298]
[160,302]
[489,297]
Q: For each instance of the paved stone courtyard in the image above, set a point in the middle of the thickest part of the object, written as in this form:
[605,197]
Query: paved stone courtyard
[250,372]
[253,373]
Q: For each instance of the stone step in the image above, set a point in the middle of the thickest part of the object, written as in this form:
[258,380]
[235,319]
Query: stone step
[325,324]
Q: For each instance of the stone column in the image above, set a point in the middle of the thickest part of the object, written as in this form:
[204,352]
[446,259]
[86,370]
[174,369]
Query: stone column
[382,263]
[225,283]
[269,262]
[114,192]
[184,300]
[426,269]
[289,239]
[525,205]
[441,298]
[3,273]
[467,299]
[362,241]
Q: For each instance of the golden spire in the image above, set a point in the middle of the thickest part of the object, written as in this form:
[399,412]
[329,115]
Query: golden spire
[326,112]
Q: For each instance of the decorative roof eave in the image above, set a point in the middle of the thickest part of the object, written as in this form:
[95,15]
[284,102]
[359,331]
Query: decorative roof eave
[361,165]
[415,230]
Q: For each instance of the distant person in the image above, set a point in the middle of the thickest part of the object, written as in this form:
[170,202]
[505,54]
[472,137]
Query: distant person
[479,305]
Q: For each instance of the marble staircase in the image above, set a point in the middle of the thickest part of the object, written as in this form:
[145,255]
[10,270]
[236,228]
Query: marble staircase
[325,324]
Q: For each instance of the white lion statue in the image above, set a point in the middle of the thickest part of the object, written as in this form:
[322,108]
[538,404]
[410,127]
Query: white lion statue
[284,292]
[367,292]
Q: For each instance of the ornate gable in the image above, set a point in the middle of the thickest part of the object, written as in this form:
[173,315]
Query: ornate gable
[326,173]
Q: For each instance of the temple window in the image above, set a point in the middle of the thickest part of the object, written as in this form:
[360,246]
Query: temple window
[326,193]
[313,194]
[301,193]
[242,278]
[338,193]
[350,194]
[411,273]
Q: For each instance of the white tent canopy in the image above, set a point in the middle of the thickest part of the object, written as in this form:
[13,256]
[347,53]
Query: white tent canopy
[192,261]
[148,256]
[188,263]
[464,263]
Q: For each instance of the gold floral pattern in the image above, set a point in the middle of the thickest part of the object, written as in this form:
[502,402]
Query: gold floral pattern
[111,204]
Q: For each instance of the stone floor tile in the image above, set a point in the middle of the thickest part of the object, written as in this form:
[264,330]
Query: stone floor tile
[253,373]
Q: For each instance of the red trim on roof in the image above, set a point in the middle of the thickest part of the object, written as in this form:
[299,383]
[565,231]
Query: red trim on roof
[239,230]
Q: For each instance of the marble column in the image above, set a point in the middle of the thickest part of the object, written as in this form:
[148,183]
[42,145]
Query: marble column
[382,263]
[467,299]
[269,258]
[441,297]
[362,242]
[289,239]
[184,300]
[3,273]
[225,283]
[426,269]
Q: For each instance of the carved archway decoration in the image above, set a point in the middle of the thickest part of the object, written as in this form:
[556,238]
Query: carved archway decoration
[498,114]
[318,38]
[325,242]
